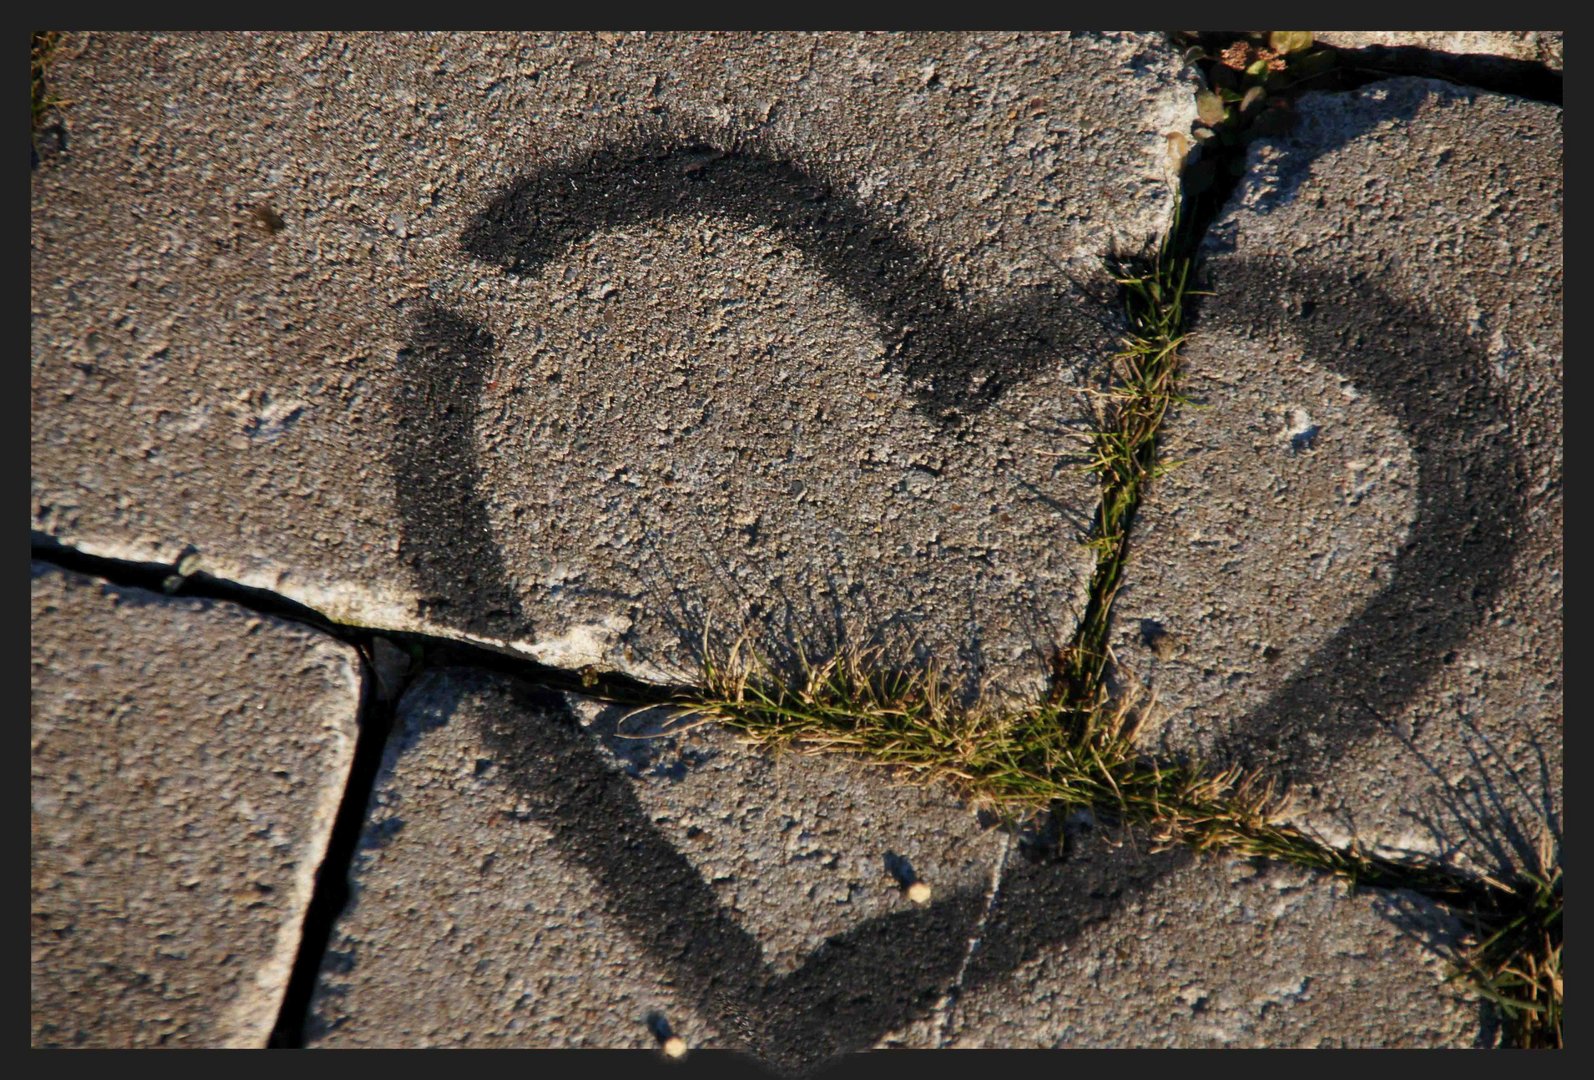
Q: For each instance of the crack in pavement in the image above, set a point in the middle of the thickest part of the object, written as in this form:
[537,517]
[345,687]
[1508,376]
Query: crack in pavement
[1477,526]
[950,1001]
[1471,497]
[331,893]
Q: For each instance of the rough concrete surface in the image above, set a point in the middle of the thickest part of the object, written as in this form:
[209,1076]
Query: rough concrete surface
[540,871]
[606,873]
[1208,953]
[338,311]
[617,348]
[1536,46]
[1354,576]
[188,759]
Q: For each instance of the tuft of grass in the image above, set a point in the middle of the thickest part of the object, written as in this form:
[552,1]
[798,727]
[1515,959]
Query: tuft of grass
[1056,754]
[1046,754]
[1075,748]
[1124,447]
[45,45]
[1517,960]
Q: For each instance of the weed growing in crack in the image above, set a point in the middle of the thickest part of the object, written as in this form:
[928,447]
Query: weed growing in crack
[1124,448]
[46,43]
[46,46]
[1076,749]
[1252,78]
[1058,753]
[1067,753]
[1516,960]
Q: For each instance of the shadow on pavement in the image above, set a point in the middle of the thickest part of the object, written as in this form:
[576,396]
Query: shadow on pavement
[892,970]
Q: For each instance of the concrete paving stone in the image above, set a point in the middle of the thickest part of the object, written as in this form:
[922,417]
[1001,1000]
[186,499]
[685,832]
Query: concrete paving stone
[541,870]
[188,760]
[1354,577]
[1536,46]
[1173,950]
[586,342]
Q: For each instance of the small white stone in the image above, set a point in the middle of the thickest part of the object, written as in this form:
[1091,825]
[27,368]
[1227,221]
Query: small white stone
[919,892]
[675,1046]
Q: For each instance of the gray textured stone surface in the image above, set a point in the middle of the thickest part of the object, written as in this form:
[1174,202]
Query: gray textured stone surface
[536,872]
[599,344]
[1539,46]
[1211,953]
[1354,578]
[682,417]
[188,759]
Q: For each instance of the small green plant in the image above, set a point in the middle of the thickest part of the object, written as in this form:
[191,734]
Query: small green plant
[1123,451]
[1517,961]
[1040,755]
[1251,80]
[1076,747]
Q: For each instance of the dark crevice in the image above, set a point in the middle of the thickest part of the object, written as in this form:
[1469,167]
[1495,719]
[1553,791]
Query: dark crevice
[1355,68]
[434,650]
[377,714]
[1351,69]
[1520,78]
[164,578]
[377,710]
[331,893]
[1482,906]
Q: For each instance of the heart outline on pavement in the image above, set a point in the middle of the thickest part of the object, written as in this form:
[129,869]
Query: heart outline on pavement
[1470,502]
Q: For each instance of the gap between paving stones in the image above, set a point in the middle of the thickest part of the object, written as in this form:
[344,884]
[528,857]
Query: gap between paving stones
[1079,748]
[1514,961]
[1153,295]
[1526,987]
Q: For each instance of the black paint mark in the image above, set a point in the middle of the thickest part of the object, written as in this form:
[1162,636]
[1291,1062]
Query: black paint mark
[890,970]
